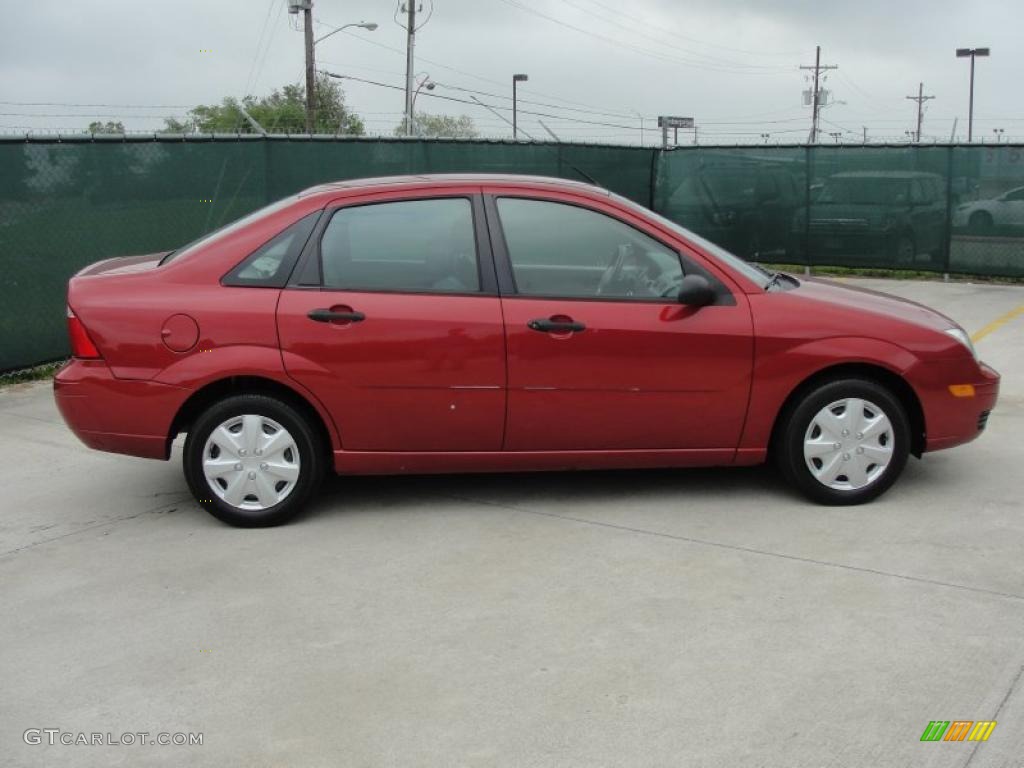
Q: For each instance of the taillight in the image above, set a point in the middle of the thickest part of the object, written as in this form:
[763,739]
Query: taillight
[81,344]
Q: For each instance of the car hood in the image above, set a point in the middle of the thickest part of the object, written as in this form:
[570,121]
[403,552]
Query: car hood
[875,302]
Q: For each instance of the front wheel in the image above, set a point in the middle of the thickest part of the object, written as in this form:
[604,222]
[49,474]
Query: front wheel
[252,460]
[845,442]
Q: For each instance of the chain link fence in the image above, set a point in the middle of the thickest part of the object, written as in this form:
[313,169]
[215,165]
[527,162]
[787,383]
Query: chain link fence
[67,202]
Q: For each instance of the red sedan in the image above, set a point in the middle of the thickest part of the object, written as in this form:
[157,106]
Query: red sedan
[465,323]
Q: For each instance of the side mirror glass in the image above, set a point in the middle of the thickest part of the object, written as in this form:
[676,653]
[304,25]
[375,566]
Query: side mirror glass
[695,291]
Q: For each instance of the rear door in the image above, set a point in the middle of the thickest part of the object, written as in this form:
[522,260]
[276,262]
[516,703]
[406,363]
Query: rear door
[601,356]
[395,324]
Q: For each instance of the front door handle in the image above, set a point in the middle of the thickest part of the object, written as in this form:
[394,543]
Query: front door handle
[336,315]
[551,325]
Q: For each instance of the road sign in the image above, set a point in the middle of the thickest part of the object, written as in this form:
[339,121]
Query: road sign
[665,121]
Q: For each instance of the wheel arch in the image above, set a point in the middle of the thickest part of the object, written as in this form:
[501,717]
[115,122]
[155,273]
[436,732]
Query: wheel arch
[892,381]
[218,389]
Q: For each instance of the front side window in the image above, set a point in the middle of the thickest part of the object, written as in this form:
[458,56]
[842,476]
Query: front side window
[570,252]
[411,246]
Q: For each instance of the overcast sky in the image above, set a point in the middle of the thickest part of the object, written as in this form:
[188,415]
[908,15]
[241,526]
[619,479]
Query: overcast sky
[730,64]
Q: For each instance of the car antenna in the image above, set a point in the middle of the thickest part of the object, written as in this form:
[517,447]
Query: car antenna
[585,175]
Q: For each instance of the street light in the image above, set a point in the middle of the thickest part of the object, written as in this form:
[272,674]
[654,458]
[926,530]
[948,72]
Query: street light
[311,58]
[425,82]
[766,136]
[999,134]
[369,26]
[515,80]
[963,53]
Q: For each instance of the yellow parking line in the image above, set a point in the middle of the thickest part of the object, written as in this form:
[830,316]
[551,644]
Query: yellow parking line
[998,323]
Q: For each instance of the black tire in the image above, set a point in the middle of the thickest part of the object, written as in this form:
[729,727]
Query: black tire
[905,251]
[980,221]
[311,460]
[789,444]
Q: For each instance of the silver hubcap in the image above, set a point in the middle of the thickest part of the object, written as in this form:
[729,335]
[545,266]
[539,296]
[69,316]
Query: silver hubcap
[251,462]
[848,444]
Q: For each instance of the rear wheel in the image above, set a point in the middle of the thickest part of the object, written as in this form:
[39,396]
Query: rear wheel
[845,442]
[980,221]
[252,460]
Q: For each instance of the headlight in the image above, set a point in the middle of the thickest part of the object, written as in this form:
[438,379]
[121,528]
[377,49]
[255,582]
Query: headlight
[961,335]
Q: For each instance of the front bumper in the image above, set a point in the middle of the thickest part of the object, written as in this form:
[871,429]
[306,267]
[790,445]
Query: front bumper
[127,416]
[951,420]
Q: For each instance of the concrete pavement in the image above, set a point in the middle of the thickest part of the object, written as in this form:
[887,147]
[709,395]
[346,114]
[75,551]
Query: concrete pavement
[698,618]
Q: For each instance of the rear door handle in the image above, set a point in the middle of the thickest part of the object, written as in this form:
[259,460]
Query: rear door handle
[333,316]
[555,326]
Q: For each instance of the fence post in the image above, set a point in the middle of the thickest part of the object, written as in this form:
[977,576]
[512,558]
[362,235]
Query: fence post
[653,180]
[808,167]
[948,255]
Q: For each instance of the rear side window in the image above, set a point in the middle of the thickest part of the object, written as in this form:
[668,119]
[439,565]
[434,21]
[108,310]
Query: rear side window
[270,265]
[410,246]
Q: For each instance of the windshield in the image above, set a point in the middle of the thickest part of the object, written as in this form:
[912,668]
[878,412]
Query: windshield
[228,229]
[864,191]
[751,271]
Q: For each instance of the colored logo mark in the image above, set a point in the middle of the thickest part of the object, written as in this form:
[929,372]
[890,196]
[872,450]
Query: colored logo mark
[958,730]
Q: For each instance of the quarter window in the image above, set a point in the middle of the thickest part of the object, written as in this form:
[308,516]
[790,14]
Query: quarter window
[270,265]
[411,246]
[571,252]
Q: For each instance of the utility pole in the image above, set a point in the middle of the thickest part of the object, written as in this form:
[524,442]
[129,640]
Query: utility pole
[410,45]
[815,103]
[307,12]
[920,99]
[865,134]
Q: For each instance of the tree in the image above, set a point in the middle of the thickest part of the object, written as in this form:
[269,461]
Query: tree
[108,127]
[283,111]
[441,126]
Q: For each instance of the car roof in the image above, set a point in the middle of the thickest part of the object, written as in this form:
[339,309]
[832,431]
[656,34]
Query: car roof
[885,175]
[452,179]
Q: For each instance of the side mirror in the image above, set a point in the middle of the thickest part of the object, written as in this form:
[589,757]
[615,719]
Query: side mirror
[695,291]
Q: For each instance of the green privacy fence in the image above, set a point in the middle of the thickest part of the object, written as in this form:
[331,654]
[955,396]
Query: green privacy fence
[66,202]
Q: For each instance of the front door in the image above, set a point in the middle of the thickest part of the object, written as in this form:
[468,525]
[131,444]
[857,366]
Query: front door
[601,356]
[402,340]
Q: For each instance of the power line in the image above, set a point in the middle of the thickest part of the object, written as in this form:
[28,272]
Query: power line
[105,106]
[481,78]
[628,46]
[259,44]
[672,45]
[675,33]
[428,94]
